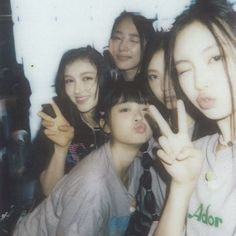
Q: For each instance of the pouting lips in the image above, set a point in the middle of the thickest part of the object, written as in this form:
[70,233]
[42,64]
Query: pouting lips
[140,127]
[205,102]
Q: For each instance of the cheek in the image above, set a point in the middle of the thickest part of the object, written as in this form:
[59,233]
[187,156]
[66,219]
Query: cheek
[68,91]
[187,85]
[156,89]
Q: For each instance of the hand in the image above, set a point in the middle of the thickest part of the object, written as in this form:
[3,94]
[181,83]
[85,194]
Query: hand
[181,160]
[57,129]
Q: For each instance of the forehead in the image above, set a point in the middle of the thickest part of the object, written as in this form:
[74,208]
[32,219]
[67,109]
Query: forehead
[157,60]
[195,37]
[80,66]
[126,26]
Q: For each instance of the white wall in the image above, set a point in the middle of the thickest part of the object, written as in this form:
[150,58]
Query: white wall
[45,29]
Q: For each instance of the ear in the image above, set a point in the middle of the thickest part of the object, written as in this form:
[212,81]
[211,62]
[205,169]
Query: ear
[104,126]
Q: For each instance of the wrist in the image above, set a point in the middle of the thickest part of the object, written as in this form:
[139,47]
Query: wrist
[185,189]
[61,149]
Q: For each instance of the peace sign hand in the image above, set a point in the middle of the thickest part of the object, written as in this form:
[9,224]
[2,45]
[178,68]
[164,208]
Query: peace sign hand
[181,160]
[57,129]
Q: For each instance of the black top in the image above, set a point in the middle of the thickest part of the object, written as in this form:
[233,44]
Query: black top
[85,140]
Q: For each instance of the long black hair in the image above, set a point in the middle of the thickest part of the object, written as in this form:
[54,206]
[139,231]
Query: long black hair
[159,42]
[143,25]
[219,18]
[69,110]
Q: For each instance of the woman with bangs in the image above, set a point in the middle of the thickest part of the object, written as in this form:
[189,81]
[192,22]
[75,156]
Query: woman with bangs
[130,34]
[98,196]
[202,194]
[78,81]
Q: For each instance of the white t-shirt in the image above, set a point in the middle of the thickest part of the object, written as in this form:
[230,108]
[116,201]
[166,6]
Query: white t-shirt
[212,209]
[90,201]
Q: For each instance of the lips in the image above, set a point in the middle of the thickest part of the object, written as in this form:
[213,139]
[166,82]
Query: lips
[140,128]
[205,102]
[123,57]
[81,99]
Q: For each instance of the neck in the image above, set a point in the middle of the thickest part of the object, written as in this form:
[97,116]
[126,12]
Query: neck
[129,75]
[123,155]
[87,117]
[190,121]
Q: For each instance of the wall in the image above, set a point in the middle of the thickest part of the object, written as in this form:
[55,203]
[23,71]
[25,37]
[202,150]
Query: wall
[44,30]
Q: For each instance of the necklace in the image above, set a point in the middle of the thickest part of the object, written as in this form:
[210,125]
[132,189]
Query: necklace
[212,179]
[224,143]
[132,204]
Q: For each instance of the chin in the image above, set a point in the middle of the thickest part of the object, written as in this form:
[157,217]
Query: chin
[217,115]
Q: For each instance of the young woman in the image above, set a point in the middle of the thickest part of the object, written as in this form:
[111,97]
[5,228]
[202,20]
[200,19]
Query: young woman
[129,36]
[202,195]
[162,91]
[98,196]
[78,80]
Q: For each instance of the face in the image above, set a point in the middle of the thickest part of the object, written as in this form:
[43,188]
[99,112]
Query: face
[162,88]
[81,84]
[201,72]
[128,125]
[125,45]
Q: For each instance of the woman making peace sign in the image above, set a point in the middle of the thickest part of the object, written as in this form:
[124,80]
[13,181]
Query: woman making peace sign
[202,194]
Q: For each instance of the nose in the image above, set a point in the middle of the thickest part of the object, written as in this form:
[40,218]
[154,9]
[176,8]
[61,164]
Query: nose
[79,87]
[139,115]
[123,45]
[201,79]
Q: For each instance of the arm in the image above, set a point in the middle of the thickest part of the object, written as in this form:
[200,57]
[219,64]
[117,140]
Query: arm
[60,133]
[55,169]
[172,221]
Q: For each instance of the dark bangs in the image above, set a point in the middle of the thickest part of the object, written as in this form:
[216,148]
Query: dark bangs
[117,92]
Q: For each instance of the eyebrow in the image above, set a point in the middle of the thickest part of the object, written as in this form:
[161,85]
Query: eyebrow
[210,47]
[84,73]
[131,34]
[203,51]
[152,70]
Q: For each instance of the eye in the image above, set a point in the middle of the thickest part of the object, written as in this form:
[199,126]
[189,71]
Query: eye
[116,37]
[125,109]
[153,77]
[134,41]
[145,109]
[183,72]
[69,80]
[215,58]
[87,78]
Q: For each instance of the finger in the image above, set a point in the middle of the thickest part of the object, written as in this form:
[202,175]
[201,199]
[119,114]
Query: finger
[182,118]
[164,126]
[164,143]
[49,132]
[164,157]
[188,152]
[44,116]
[56,109]
[47,123]
[64,128]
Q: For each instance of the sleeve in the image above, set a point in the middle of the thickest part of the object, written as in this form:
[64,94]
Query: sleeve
[86,211]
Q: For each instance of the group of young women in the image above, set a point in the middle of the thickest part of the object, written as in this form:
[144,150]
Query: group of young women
[110,122]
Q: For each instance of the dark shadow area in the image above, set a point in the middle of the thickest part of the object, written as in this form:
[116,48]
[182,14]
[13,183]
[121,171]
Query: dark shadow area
[16,188]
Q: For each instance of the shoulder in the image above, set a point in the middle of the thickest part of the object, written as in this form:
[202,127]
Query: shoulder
[205,141]
[90,172]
